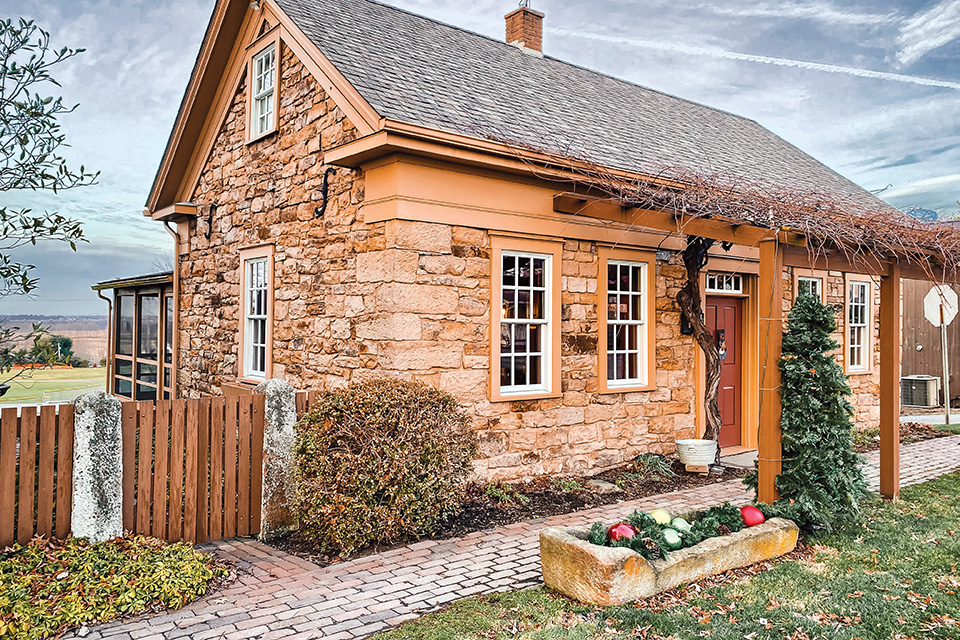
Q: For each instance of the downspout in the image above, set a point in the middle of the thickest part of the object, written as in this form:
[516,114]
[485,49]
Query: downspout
[175,365]
[110,338]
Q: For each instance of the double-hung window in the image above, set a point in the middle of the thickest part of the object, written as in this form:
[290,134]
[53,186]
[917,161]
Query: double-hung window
[263,72]
[256,317]
[626,324]
[858,316]
[811,286]
[525,315]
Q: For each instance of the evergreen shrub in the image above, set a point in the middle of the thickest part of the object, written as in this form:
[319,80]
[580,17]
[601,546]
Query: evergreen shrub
[380,461]
[821,482]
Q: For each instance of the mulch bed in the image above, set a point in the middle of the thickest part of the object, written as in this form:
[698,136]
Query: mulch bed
[539,498]
[909,432]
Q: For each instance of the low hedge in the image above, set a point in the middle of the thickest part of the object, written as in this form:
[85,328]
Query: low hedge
[378,462]
[49,586]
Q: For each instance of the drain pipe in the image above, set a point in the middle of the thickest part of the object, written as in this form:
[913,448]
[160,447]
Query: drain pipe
[110,338]
[176,309]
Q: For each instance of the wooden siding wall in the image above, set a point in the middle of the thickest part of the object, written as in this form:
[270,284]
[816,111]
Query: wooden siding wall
[917,331]
[192,469]
[36,479]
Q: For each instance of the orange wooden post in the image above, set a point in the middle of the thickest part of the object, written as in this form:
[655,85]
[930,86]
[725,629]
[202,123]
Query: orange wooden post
[65,469]
[28,462]
[8,474]
[46,436]
[771,337]
[890,324]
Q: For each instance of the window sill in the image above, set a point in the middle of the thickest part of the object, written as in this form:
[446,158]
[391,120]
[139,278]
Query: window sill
[859,373]
[524,397]
[242,387]
[263,135]
[605,390]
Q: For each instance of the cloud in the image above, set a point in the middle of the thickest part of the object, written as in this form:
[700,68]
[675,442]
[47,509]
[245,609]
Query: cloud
[716,52]
[820,11]
[922,186]
[927,31]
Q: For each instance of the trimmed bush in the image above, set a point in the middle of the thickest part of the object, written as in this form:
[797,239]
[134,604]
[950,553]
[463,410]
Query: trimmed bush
[49,586]
[378,462]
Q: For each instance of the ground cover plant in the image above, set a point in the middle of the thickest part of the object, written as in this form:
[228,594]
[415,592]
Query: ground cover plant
[379,461]
[893,574]
[49,586]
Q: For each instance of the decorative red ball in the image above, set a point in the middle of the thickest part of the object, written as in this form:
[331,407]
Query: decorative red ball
[751,516]
[620,531]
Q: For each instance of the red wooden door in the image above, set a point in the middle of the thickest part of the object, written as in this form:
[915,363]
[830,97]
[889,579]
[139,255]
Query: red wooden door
[724,317]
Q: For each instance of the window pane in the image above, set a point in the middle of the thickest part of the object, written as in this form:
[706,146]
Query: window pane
[147,372]
[611,307]
[509,303]
[123,388]
[539,311]
[536,346]
[509,271]
[149,327]
[523,304]
[505,380]
[125,325]
[123,368]
[539,272]
[146,393]
[534,370]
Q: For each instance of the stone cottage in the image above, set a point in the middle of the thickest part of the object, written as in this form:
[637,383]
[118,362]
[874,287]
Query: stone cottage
[355,191]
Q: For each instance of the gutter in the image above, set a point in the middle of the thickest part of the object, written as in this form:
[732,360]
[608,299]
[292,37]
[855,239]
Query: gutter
[110,339]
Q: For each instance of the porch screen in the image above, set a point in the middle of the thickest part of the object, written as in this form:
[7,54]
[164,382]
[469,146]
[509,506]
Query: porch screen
[626,331]
[857,306]
[524,322]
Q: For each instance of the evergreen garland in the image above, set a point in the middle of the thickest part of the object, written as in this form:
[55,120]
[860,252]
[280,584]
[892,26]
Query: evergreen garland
[821,478]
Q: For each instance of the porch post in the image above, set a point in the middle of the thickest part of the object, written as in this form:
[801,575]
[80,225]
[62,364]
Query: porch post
[890,383]
[771,337]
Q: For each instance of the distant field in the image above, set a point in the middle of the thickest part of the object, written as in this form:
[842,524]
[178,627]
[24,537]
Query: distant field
[33,386]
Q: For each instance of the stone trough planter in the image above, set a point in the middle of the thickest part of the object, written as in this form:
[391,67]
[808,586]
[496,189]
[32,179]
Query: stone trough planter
[599,575]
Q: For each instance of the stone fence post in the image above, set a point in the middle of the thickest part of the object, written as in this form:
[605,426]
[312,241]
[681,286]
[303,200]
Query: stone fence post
[97,468]
[277,513]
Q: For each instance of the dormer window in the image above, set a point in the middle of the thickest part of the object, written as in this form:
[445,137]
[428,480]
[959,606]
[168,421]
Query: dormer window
[263,86]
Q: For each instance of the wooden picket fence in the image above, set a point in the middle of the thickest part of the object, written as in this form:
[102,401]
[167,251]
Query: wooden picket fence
[36,472]
[192,469]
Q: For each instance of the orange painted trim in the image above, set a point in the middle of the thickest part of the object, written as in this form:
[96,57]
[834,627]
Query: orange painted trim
[649,261]
[544,246]
[868,348]
[770,297]
[253,253]
[891,325]
[269,39]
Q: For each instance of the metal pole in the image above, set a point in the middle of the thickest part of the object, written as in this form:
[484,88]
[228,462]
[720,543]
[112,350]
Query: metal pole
[946,364]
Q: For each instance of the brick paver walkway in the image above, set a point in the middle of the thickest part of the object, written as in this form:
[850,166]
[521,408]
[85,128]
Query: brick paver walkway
[281,596]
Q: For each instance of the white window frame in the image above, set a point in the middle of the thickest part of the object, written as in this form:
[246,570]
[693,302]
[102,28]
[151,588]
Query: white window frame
[508,325]
[256,322]
[724,283]
[639,325]
[263,87]
[817,283]
[858,326]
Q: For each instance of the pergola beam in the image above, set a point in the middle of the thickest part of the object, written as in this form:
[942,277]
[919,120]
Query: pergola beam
[770,299]
[890,328]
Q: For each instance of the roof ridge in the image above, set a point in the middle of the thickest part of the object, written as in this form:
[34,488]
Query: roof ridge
[558,60]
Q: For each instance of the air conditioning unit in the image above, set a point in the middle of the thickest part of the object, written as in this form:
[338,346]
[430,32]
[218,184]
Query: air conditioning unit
[920,391]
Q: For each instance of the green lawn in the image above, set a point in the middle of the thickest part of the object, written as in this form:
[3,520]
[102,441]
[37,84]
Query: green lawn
[952,428]
[31,386]
[894,573]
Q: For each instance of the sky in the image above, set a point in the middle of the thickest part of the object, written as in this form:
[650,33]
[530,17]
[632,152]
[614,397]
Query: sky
[871,89]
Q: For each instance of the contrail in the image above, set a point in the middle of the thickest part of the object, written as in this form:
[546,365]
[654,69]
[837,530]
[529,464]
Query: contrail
[748,57]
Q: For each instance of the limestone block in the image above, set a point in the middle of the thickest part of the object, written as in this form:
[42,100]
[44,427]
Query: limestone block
[417,298]
[277,514]
[421,356]
[610,576]
[387,266]
[97,468]
[419,236]
[394,326]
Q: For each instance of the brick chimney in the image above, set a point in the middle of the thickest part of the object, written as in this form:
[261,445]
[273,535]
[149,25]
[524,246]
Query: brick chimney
[525,28]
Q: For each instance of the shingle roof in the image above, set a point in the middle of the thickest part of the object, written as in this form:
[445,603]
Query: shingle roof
[420,71]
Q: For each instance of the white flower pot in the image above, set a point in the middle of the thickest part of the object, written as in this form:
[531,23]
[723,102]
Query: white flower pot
[697,452]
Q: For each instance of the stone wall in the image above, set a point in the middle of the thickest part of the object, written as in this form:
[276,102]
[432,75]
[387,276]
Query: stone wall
[400,298]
